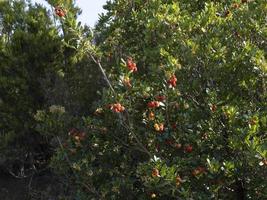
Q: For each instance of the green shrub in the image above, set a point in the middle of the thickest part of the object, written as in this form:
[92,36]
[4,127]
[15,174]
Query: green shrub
[190,123]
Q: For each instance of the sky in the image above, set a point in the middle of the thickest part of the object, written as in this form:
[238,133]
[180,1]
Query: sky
[90,8]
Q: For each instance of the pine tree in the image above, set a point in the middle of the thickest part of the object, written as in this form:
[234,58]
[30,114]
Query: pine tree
[38,70]
[29,49]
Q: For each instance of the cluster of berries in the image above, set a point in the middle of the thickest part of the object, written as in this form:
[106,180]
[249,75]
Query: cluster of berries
[153,104]
[117,108]
[159,127]
[172,81]
[131,65]
[60,11]
[77,135]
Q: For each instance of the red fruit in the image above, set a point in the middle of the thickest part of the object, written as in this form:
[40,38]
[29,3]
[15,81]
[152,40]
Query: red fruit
[117,107]
[178,146]
[78,136]
[213,107]
[159,127]
[155,173]
[172,81]
[153,104]
[131,65]
[82,135]
[151,116]
[157,104]
[199,170]
[160,98]
[60,12]
[188,148]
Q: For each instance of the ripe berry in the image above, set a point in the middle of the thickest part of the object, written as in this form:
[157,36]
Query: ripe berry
[188,148]
[82,135]
[77,135]
[178,145]
[199,170]
[155,173]
[60,12]
[117,107]
[156,126]
[159,127]
[172,81]
[213,107]
[153,104]
[160,98]
[151,116]
[131,65]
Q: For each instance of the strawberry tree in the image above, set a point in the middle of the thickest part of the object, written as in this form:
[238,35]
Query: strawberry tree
[183,115]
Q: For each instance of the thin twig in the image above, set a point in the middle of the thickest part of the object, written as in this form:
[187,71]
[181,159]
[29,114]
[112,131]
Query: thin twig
[103,72]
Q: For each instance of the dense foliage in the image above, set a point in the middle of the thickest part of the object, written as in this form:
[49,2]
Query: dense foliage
[37,70]
[29,50]
[184,111]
